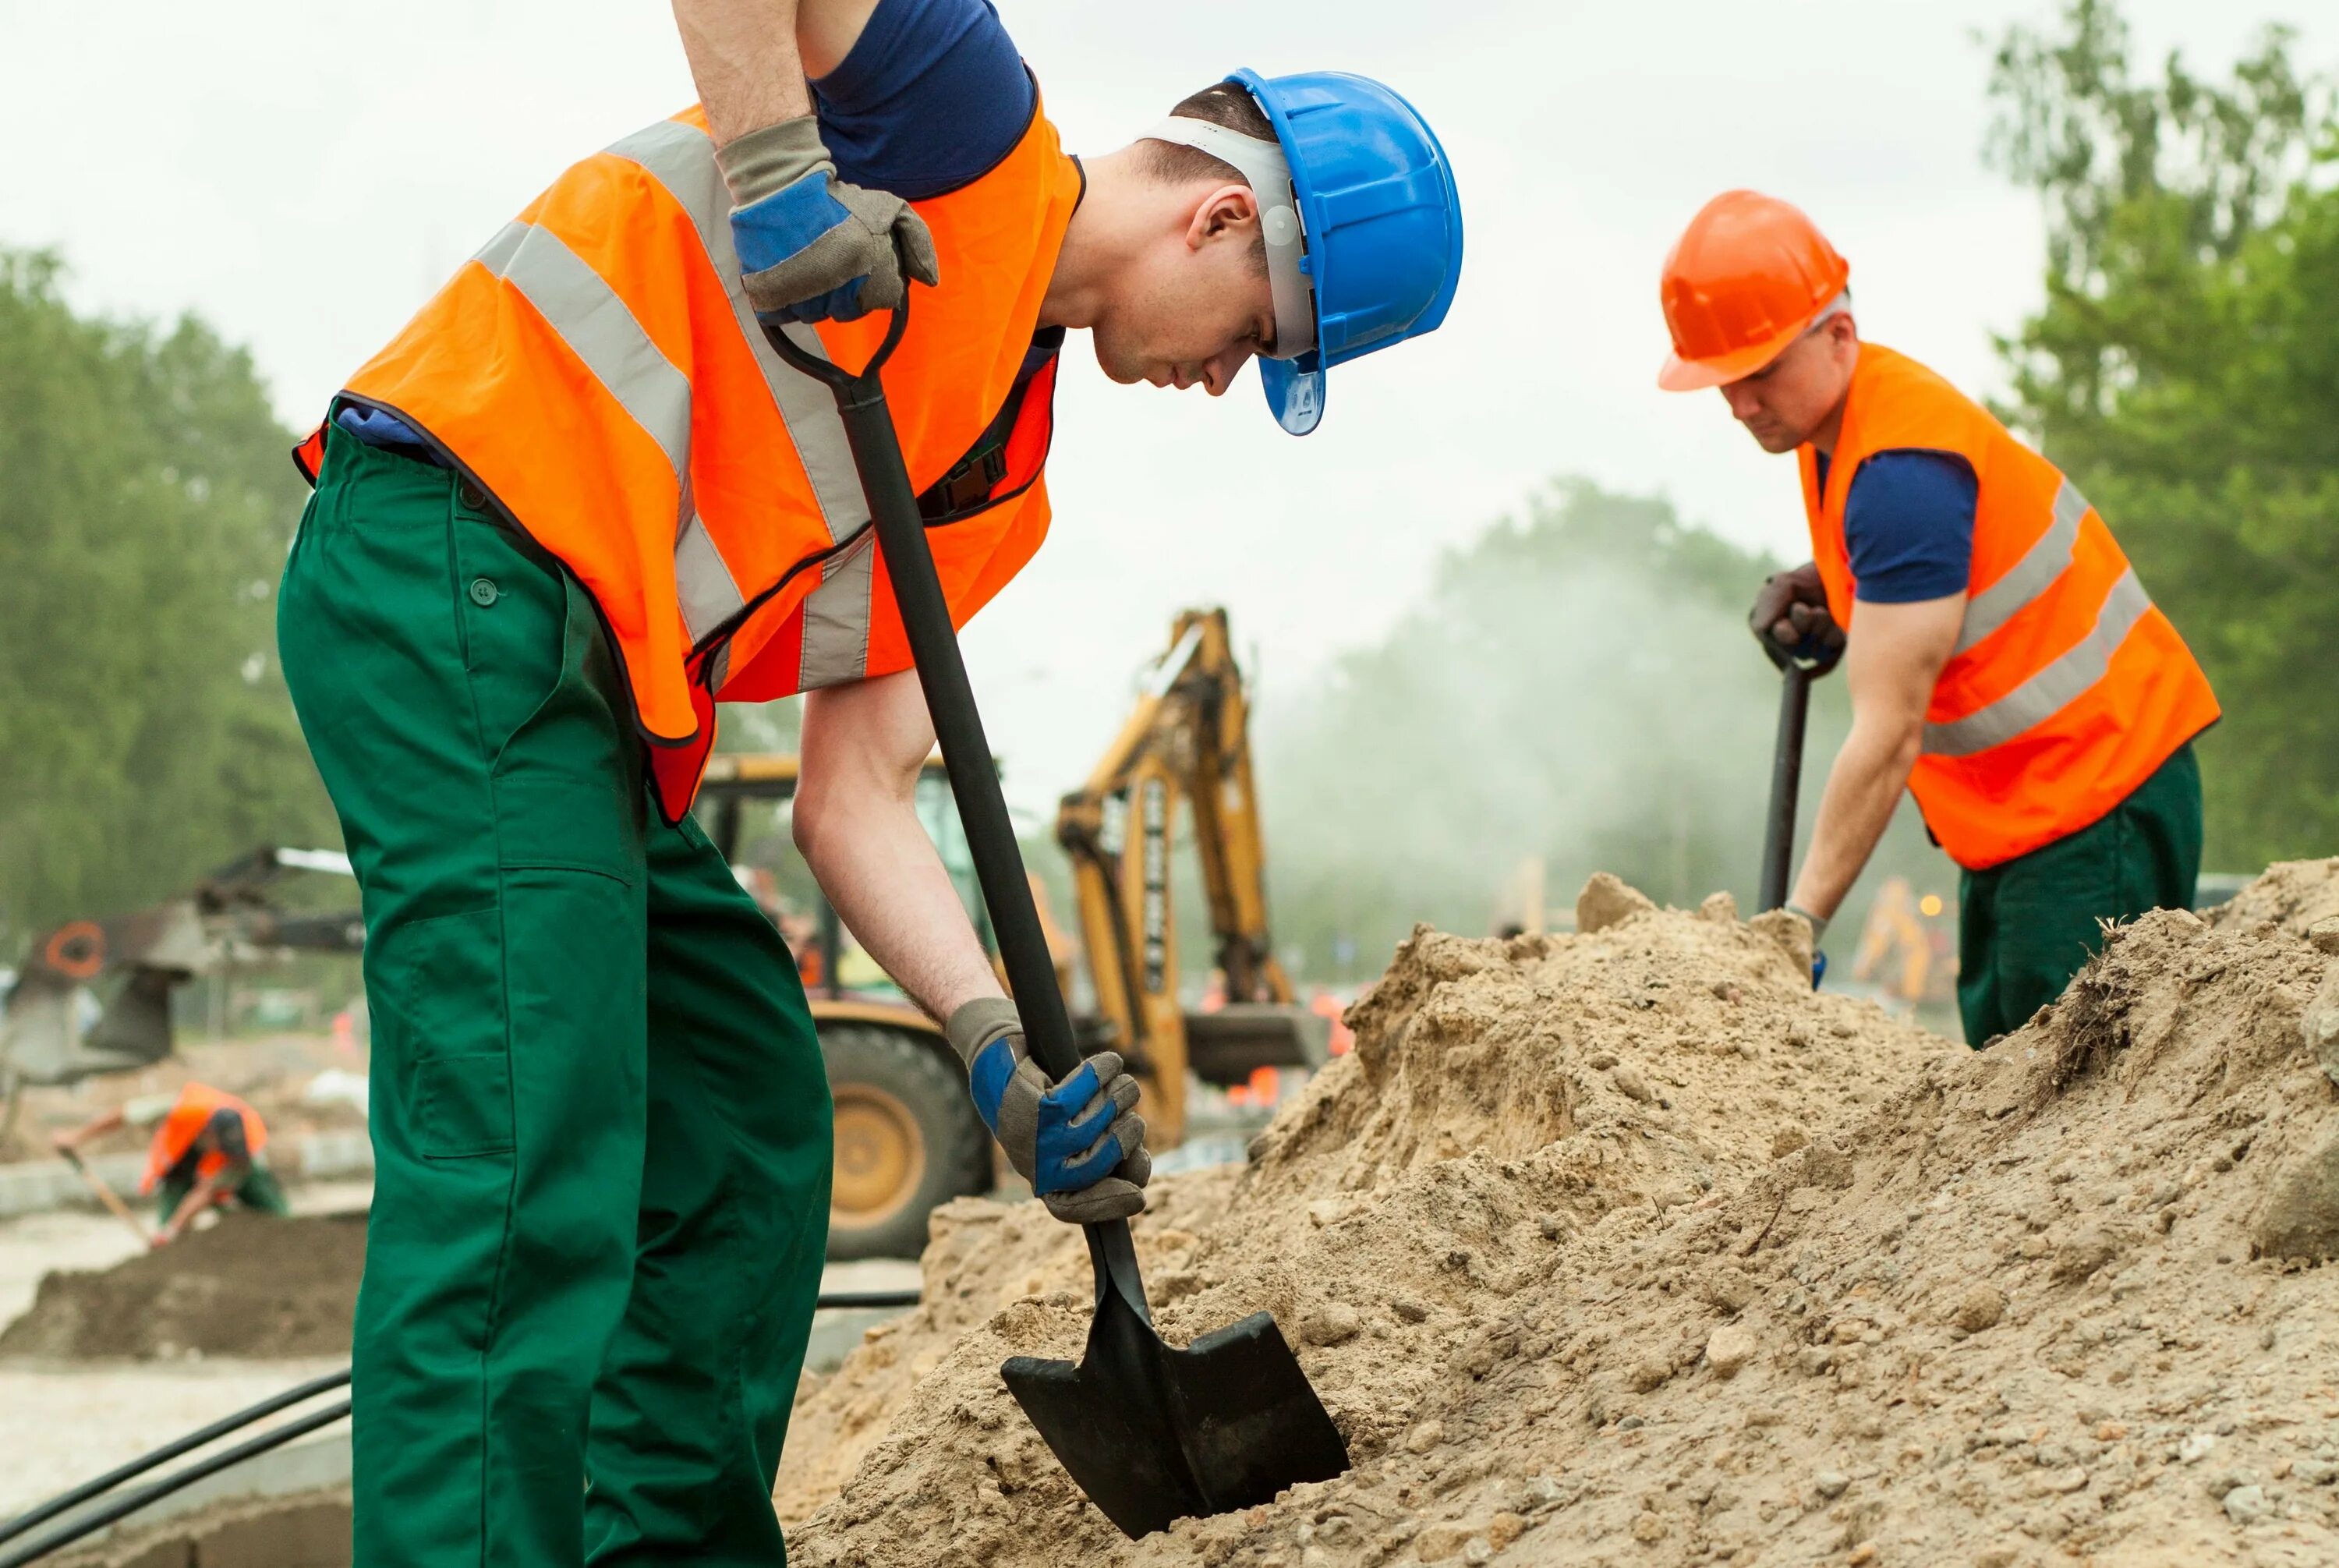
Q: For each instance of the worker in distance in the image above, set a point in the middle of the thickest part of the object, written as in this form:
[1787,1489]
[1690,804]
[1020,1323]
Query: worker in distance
[2006,666]
[578,502]
[204,1150]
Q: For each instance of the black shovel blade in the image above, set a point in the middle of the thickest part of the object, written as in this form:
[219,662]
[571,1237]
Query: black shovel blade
[1154,1434]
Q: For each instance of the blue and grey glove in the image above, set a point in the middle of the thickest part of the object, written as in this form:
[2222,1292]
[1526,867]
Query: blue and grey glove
[810,247]
[1079,1142]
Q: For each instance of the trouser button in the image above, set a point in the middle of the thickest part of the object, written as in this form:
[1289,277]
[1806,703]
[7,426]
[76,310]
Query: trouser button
[483,592]
[470,495]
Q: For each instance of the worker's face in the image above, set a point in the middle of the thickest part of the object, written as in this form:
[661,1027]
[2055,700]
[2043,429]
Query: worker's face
[1197,304]
[1786,402]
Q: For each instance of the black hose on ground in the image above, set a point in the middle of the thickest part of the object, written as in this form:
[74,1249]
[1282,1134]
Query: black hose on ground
[43,1513]
[122,1507]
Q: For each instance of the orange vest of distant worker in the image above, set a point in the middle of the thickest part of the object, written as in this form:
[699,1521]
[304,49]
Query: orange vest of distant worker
[2067,687]
[597,370]
[190,1114]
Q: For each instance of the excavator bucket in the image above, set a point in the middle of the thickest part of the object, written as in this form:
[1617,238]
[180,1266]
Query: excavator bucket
[1154,1434]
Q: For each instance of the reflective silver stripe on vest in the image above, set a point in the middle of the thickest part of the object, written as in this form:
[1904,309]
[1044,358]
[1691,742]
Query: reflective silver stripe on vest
[681,158]
[836,616]
[703,583]
[2030,577]
[599,329]
[2052,689]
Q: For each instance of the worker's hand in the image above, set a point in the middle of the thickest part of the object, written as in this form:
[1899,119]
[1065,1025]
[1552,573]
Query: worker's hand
[1078,1141]
[810,247]
[1792,621]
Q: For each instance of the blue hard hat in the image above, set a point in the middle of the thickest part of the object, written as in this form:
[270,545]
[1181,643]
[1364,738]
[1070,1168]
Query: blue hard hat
[1382,221]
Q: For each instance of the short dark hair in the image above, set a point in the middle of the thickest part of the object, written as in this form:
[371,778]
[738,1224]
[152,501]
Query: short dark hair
[1227,104]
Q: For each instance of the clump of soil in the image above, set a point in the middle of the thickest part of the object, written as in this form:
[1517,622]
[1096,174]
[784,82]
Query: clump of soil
[2294,895]
[1626,1247]
[248,1286]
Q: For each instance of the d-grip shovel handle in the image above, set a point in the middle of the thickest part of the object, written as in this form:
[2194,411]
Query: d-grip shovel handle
[958,729]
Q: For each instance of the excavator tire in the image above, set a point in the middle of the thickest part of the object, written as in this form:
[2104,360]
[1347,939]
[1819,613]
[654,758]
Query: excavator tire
[907,1138]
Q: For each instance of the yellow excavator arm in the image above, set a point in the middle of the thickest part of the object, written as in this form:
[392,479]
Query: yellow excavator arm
[1187,743]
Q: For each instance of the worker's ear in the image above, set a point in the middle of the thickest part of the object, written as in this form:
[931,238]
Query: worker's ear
[1228,212]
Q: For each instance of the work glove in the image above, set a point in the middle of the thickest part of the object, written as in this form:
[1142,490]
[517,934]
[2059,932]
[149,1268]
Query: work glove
[1790,619]
[1079,1142]
[810,247]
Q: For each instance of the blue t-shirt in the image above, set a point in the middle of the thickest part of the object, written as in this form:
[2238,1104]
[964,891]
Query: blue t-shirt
[931,97]
[1909,525]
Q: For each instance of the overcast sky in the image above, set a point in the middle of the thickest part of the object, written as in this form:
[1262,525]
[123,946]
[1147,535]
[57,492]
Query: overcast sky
[304,175]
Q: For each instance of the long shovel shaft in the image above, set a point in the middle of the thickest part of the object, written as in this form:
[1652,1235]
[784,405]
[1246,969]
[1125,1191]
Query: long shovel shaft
[1786,784]
[106,1195]
[973,778]
[1150,1433]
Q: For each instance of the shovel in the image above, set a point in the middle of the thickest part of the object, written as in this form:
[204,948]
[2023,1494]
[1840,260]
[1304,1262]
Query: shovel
[1150,1434]
[106,1195]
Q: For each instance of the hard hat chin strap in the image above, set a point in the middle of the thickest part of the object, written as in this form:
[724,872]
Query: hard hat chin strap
[1263,165]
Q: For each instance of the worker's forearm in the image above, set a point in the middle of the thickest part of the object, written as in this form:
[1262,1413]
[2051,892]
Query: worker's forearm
[95,1127]
[745,62]
[198,1199]
[1863,790]
[873,861]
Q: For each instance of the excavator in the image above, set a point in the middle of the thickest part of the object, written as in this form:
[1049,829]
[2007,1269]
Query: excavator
[907,1137]
[93,996]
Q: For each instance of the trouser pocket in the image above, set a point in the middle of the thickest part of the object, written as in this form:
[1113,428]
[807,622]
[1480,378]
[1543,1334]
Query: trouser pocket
[450,1032]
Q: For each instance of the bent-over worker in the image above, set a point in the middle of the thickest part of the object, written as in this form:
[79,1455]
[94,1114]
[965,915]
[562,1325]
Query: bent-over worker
[205,1152]
[578,501]
[2006,666]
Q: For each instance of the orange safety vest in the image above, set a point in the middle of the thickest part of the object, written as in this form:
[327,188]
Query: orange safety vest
[2068,688]
[596,369]
[190,1114]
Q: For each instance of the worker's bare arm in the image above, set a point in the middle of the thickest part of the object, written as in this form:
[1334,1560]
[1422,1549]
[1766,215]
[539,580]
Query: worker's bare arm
[856,823]
[97,1127]
[1893,659]
[749,58]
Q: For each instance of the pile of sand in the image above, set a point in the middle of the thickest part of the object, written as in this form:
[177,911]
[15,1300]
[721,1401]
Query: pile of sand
[248,1286]
[1626,1247]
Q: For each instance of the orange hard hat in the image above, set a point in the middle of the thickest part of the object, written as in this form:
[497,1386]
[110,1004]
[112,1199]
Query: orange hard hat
[1748,274]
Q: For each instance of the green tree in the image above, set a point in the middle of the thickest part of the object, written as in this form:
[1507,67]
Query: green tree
[2185,371]
[146,502]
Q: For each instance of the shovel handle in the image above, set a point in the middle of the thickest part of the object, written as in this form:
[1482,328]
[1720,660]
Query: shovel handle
[106,1195]
[958,731]
[1786,782]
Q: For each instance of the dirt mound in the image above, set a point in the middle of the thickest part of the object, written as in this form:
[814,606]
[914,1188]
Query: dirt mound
[248,1286]
[2294,895]
[2050,1302]
[1415,1219]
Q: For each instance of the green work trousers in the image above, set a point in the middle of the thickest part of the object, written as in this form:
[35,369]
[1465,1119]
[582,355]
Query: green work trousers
[601,1124]
[256,1191]
[2026,927]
